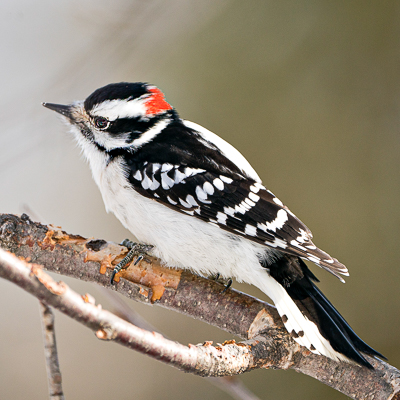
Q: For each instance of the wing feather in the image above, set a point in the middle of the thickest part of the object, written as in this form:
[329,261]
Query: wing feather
[238,205]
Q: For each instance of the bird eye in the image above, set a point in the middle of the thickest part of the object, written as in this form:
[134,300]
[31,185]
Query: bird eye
[101,122]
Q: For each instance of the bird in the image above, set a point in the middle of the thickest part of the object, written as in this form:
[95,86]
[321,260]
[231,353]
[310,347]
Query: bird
[200,205]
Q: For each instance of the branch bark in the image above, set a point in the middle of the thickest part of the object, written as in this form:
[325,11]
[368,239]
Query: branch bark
[267,344]
[50,352]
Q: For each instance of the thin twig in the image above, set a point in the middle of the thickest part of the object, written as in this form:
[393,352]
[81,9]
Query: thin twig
[50,351]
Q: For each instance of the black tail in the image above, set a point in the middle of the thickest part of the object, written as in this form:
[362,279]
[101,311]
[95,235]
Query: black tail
[297,280]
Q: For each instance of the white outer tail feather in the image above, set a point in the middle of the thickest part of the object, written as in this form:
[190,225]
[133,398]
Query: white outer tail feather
[296,320]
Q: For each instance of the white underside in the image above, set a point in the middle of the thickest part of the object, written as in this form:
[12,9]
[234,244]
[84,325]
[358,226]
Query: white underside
[187,242]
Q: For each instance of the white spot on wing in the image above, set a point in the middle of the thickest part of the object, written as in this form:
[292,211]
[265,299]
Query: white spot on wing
[250,230]
[174,203]
[226,179]
[313,258]
[240,209]
[278,222]
[304,237]
[249,202]
[186,205]
[156,167]
[244,205]
[138,175]
[193,171]
[166,167]
[221,217]
[259,186]
[208,188]
[295,243]
[254,188]
[229,211]
[188,212]
[179,176]
[254,197]
[277,201]
[218,184]
[202,195]
[146,182]
[166,181]
[154,184]
[262,227]
[190,199]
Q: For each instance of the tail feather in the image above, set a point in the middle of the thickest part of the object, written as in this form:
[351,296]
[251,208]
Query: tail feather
[330,327]
[310,317]
[358,343]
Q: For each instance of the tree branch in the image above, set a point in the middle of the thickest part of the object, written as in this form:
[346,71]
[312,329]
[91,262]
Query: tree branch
[50,352]
[232,385]
[205,360]
[181,291]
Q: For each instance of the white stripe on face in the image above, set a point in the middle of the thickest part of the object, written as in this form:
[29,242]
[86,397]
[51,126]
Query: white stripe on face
[151,133]
[114,109]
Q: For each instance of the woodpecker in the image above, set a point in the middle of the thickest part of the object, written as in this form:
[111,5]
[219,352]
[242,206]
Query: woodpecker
[200,205]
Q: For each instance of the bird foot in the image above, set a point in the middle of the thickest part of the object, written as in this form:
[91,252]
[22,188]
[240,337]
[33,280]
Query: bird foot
[135,249]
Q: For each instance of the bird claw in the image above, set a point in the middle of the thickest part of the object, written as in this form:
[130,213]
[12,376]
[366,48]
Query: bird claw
[226,282]
[135,249]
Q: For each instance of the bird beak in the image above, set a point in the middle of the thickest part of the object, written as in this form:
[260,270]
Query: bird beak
[66,111]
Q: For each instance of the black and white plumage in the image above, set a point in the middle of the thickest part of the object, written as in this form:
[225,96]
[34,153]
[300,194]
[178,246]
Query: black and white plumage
[196,199]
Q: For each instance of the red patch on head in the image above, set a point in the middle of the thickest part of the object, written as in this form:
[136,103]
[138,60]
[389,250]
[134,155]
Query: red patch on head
[156,104]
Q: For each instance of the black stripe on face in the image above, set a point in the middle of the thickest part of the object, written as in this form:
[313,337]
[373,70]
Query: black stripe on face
[135,127]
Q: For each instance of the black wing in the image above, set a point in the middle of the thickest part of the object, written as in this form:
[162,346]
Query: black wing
[240,206]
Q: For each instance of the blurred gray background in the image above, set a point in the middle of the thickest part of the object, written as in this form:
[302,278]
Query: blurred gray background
[307,90]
